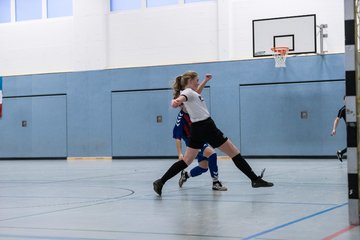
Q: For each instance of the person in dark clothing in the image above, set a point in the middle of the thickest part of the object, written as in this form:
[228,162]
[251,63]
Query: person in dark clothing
[341,114]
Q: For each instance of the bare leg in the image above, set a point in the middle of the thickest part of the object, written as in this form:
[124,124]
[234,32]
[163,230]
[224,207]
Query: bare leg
[208,152]
[190,155]
[204,164]
[229,149]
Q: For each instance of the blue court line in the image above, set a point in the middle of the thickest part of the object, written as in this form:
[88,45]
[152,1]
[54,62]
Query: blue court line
[293,222]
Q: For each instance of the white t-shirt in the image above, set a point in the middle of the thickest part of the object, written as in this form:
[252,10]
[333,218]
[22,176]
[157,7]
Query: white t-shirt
[195,105]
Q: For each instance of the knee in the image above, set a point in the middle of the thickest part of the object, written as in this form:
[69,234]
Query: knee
[203,164]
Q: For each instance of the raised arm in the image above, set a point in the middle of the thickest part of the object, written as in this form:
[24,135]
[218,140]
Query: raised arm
[201,86]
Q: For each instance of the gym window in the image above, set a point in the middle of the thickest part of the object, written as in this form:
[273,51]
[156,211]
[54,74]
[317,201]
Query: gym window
[59,8]
[5,11]
[158,3]
[192,1]
[28,9]
[121,5]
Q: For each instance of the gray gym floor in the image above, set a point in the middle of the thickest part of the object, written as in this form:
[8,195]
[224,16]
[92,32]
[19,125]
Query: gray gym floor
[87,199]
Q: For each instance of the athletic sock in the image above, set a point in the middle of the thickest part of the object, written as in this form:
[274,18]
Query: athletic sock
[241,164]
[173,170]
[213,168]
[196,171]
[343,151]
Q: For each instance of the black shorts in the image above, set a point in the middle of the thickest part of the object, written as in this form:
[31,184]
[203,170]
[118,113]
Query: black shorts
[205,132]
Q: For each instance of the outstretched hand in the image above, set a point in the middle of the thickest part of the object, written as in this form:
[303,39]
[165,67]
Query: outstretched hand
[208,77]
[175,103]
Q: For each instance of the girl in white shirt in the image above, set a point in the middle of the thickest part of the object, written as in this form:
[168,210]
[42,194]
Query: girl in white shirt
[207,157]
[204,130]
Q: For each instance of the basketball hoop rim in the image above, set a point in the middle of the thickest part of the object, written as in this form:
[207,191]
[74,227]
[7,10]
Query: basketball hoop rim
[281,50]
[280,55]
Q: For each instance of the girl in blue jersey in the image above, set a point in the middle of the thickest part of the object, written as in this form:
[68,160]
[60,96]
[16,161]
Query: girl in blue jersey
[207,157]
[204,130]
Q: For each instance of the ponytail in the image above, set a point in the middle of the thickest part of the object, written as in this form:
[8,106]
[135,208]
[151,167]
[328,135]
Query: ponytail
[177,87]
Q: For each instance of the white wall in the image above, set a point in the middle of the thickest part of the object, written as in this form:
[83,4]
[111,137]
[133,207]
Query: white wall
[93,38]
[90,36]
[36,47]
[163,35]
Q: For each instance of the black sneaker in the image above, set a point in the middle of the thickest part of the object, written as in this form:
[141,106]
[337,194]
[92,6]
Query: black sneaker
[259,182]
[158,185]
[217,186]
[339,155]
[183,178]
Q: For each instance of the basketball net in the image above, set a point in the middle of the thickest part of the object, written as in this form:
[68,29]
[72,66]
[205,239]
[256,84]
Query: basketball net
[280,54]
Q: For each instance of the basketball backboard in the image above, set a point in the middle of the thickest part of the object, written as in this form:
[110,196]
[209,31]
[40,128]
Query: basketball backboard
[298,33]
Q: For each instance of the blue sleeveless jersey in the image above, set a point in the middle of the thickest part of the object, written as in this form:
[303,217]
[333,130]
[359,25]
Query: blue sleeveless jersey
[182,131]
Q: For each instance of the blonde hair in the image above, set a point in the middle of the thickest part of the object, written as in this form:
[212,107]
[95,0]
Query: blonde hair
[181,81]
[177,87]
